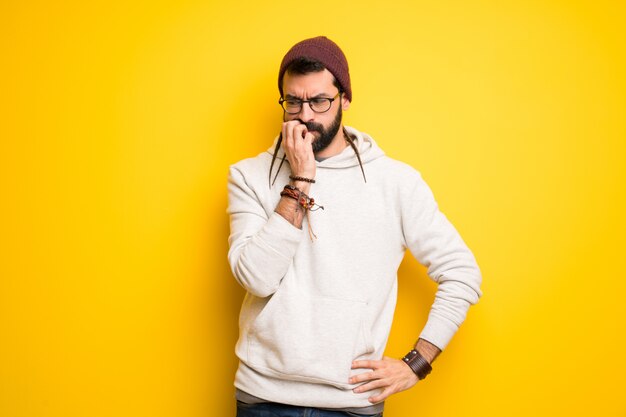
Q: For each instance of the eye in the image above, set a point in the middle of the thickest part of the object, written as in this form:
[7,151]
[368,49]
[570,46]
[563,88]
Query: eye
[293,103]
[319,101]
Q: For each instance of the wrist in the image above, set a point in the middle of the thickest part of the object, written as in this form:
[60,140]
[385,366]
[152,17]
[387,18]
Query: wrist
[427,350]
[302,186]
[302,182]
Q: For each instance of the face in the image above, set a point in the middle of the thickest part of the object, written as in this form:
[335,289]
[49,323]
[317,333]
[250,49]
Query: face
[324,126]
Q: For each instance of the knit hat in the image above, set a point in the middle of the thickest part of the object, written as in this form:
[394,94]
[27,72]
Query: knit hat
[325,51]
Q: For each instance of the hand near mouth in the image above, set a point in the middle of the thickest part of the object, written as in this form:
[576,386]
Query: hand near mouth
[298,146]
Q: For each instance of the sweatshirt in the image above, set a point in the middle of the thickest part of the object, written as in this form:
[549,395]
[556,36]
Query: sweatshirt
[313,307]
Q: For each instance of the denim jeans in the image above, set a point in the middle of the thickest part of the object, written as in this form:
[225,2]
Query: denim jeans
[283,410]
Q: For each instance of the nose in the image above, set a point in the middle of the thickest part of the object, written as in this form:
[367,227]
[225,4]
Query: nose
[306,113]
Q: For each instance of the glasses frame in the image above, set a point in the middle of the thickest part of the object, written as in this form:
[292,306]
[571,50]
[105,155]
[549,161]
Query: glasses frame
[282,100]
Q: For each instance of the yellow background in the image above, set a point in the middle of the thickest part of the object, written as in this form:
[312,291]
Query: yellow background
[119,120]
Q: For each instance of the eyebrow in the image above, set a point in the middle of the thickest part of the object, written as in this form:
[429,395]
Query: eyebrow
[320,95]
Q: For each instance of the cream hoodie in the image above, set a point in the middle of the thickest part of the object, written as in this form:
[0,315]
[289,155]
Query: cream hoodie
[312,308]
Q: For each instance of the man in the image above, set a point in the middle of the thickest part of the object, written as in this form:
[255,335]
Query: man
[319,225]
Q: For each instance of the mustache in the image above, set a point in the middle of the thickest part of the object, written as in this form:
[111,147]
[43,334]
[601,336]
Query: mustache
[312,126]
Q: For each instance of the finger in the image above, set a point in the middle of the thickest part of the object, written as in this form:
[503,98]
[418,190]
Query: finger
[382,396]
[289,126]
[365,364]
[367,376]
[377,383]
[299,132]
[288,135]
[308,138]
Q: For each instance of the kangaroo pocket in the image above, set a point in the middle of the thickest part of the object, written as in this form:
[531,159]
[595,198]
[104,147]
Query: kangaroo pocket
[311,338]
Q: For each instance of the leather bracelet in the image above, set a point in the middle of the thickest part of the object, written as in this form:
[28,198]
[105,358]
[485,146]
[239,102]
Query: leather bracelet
[291,187]
[299,196]
[418,364]
[304,201]
[303,179]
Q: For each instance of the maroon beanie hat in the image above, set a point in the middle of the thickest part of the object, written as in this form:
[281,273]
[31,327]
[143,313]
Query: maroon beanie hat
[325,51]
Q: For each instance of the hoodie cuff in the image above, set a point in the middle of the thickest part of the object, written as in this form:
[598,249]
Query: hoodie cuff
[439,331]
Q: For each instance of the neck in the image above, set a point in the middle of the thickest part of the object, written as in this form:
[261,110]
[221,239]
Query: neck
[337,145]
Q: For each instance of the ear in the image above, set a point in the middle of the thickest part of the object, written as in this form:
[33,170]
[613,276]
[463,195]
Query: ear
[345,103]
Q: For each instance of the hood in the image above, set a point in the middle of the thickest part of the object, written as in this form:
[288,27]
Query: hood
[368,150]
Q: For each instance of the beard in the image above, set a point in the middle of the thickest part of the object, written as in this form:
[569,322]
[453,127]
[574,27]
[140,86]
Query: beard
[326,134]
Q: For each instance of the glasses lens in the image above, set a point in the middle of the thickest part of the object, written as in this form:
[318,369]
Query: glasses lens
[292,106]
[320,105]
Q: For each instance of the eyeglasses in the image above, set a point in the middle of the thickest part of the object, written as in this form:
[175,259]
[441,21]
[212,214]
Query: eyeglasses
[317,104]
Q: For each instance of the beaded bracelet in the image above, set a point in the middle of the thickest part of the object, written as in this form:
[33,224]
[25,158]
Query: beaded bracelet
[304,179]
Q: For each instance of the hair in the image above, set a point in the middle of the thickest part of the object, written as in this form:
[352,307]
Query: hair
[304,65]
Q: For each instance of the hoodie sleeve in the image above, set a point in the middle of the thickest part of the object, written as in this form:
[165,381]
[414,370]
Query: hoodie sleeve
[436,244]
[261,246]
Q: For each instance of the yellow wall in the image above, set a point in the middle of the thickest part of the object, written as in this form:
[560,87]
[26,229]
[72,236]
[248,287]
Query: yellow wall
[119,120]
